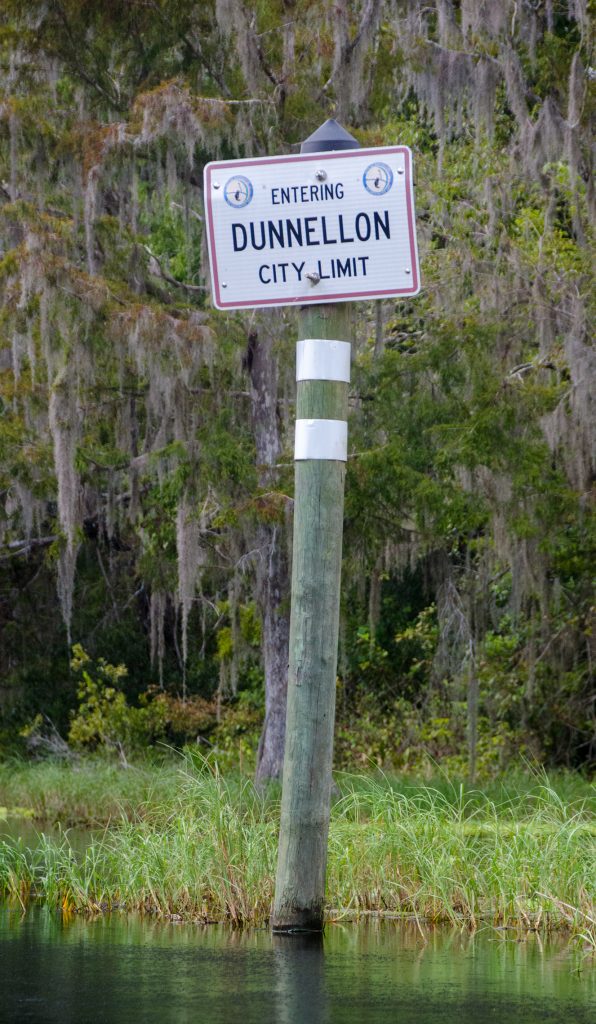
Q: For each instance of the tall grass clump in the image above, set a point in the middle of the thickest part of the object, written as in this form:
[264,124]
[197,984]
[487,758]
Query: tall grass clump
[214,857]
[207,853]
[459,856]
[439,853]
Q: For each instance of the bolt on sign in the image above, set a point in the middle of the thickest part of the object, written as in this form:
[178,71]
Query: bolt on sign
[319,227]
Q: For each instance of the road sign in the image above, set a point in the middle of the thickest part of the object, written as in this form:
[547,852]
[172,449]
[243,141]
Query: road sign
[318,227]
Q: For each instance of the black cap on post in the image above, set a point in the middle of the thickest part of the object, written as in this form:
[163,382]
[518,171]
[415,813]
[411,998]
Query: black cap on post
[328,137]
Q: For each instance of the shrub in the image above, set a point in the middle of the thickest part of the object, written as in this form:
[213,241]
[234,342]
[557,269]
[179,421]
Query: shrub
[104,717]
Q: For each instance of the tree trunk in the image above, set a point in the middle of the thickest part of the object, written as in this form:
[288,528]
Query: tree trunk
[379,330]
[473,692]
[273,580]
[472,708]
[273,587]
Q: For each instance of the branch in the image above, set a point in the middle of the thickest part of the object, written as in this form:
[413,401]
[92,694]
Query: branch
[474,54]
[211,391]
[74,48]
[179,206]
[264,66]
[172,280]
[24,546]
[346,54]
[518,371]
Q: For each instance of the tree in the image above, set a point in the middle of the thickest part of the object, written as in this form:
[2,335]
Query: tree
[139,475]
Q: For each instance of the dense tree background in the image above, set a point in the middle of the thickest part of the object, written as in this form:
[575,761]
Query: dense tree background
[146,441]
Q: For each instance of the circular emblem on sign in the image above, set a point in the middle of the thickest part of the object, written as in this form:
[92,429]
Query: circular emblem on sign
[378,179]
[238,191]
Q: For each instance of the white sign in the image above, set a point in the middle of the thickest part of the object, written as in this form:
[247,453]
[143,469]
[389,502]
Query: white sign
[319,227]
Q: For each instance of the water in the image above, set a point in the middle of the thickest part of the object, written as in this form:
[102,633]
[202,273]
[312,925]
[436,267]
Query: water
[122,968]
[29,833]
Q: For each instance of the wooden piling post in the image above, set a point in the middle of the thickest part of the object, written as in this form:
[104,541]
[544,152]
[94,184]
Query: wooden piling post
[321,415]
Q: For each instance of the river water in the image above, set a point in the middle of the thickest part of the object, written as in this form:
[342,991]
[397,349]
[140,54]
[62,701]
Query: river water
[121,968]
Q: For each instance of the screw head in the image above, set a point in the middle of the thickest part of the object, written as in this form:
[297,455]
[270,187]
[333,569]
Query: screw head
[313,277]
[216,184]
[320,175]
[224,284]
[408,271]
[400,170]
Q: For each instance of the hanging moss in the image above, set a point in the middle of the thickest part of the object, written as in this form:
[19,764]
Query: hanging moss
[132,443]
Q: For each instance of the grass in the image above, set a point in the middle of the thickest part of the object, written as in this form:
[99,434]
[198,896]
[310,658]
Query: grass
[187,841]
[88,792]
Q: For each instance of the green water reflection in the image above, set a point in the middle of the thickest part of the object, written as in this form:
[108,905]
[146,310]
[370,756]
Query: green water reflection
[124,968]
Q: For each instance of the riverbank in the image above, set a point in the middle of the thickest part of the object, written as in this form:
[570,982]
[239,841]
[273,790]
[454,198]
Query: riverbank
[183,841]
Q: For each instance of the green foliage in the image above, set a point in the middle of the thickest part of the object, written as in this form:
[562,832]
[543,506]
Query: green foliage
[235,739]
[405,738]
[169,238]
[420,639]
[250,624]
[104,717]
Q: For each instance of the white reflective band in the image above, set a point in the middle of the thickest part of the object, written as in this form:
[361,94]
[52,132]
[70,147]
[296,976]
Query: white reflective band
[321,439]
[320,359]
